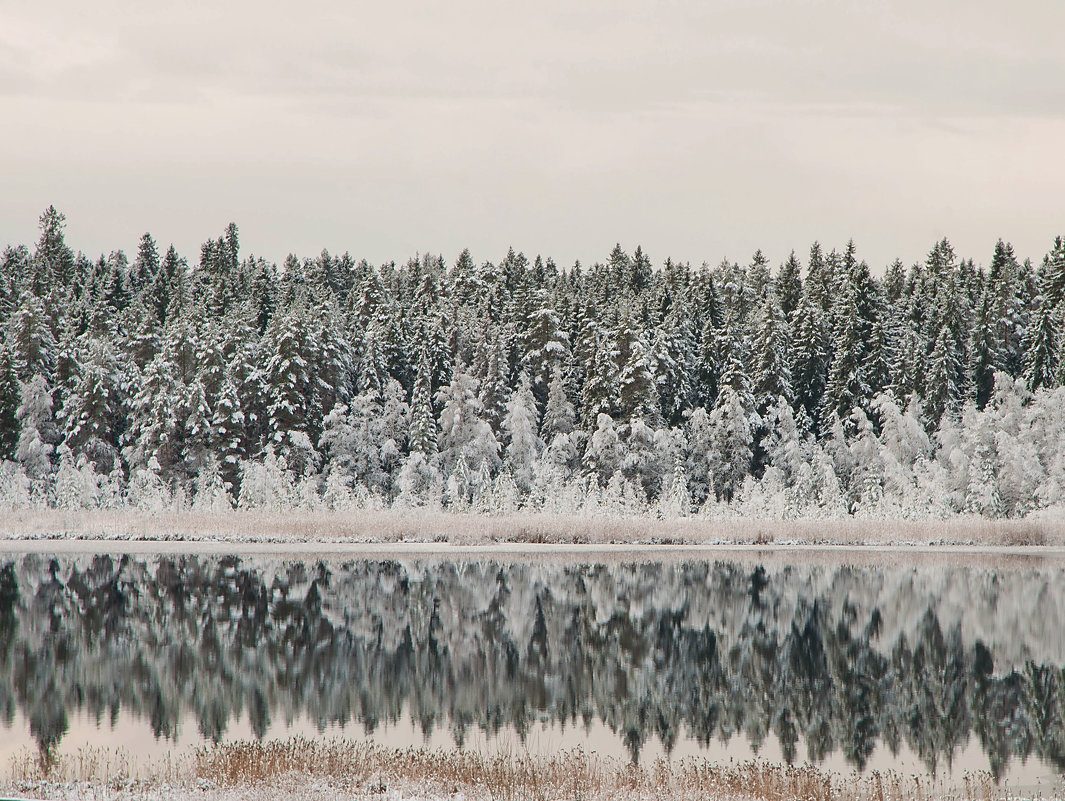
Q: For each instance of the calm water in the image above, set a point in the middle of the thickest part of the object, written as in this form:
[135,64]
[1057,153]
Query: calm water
[914,667]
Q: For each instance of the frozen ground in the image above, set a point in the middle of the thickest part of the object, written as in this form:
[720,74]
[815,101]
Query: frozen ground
[372,527]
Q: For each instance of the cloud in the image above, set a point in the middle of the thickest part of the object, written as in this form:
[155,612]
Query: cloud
[703,128]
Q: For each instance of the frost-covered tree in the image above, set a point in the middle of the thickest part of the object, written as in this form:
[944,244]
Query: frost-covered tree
[523,443]
[423,429]
[291,386]
[466,440]
[730,444]
[91,412]
[30,339]
[772,354]
[559,414]
[37,430]
[602,458]
[10,396]
[547,348]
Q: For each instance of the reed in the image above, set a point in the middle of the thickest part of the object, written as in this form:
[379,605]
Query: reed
[300,768]
[527,527]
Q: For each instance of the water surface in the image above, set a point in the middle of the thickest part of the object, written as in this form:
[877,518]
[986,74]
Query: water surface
[916,666]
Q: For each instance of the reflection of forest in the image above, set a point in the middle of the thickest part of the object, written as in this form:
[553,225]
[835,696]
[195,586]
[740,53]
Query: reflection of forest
[840,657]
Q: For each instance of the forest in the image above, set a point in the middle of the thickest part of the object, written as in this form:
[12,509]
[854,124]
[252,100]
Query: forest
[815,387]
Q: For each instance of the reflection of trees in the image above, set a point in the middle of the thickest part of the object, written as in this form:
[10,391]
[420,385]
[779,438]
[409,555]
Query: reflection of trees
[711,651]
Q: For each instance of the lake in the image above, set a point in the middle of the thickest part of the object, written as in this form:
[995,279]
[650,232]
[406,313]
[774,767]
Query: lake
[851,661]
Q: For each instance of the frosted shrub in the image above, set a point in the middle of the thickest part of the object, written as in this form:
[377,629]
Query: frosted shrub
[77,485]
[211,493]
[420,483]
[339,494]
[15,488]
[267,485]
[146,490]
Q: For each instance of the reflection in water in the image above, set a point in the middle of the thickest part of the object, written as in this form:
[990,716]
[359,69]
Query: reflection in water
[839,658]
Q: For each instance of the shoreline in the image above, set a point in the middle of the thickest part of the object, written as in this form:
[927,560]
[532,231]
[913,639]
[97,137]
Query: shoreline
[383,526]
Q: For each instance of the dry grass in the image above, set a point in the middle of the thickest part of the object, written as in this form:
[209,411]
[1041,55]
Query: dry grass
[300,767]
[395,526]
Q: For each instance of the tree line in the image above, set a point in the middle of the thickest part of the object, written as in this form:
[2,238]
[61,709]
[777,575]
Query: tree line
[813,387]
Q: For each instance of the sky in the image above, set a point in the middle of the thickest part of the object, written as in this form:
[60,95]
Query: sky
[701,130]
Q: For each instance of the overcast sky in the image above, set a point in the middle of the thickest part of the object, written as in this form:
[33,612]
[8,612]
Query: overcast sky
[702,130]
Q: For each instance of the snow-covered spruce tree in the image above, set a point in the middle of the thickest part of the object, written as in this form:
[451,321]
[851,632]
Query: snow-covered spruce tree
[637,388]
[420,482]
[465,439]
[559,415]
[523,444]
[291,387]
[155,420]
[602,457]
[91,411]
[647,458]
[599,392]
[493,381]
[944,377]
[227,441]
[811,354]
[848,384]
[1042,362]
[10,396]
[547,349]
[30,339]
[674,353]
[771,360]
[730,444]
[37,433]
[423,429]
[697,465]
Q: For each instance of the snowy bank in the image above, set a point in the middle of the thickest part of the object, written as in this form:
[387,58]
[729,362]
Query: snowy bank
[448,528]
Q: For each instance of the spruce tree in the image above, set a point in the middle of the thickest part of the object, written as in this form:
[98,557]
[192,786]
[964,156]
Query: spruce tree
[771,362]
[423,429]
[523,444]
[559,413]
[1042,348]
[10,394]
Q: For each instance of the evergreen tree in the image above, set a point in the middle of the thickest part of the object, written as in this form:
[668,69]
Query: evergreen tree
[10,396]
[31,340]
[145,266]
[559,414]
[291,385]
[228,435]
[771,358]
[1042,349]
[730,445]
[674,353]
[423,430]
[53,259]
[599,393]
[37,430]
[91,413]
[789,286]
[493,382]
[523,444]
[637,389]
[812,356]
[547,347]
